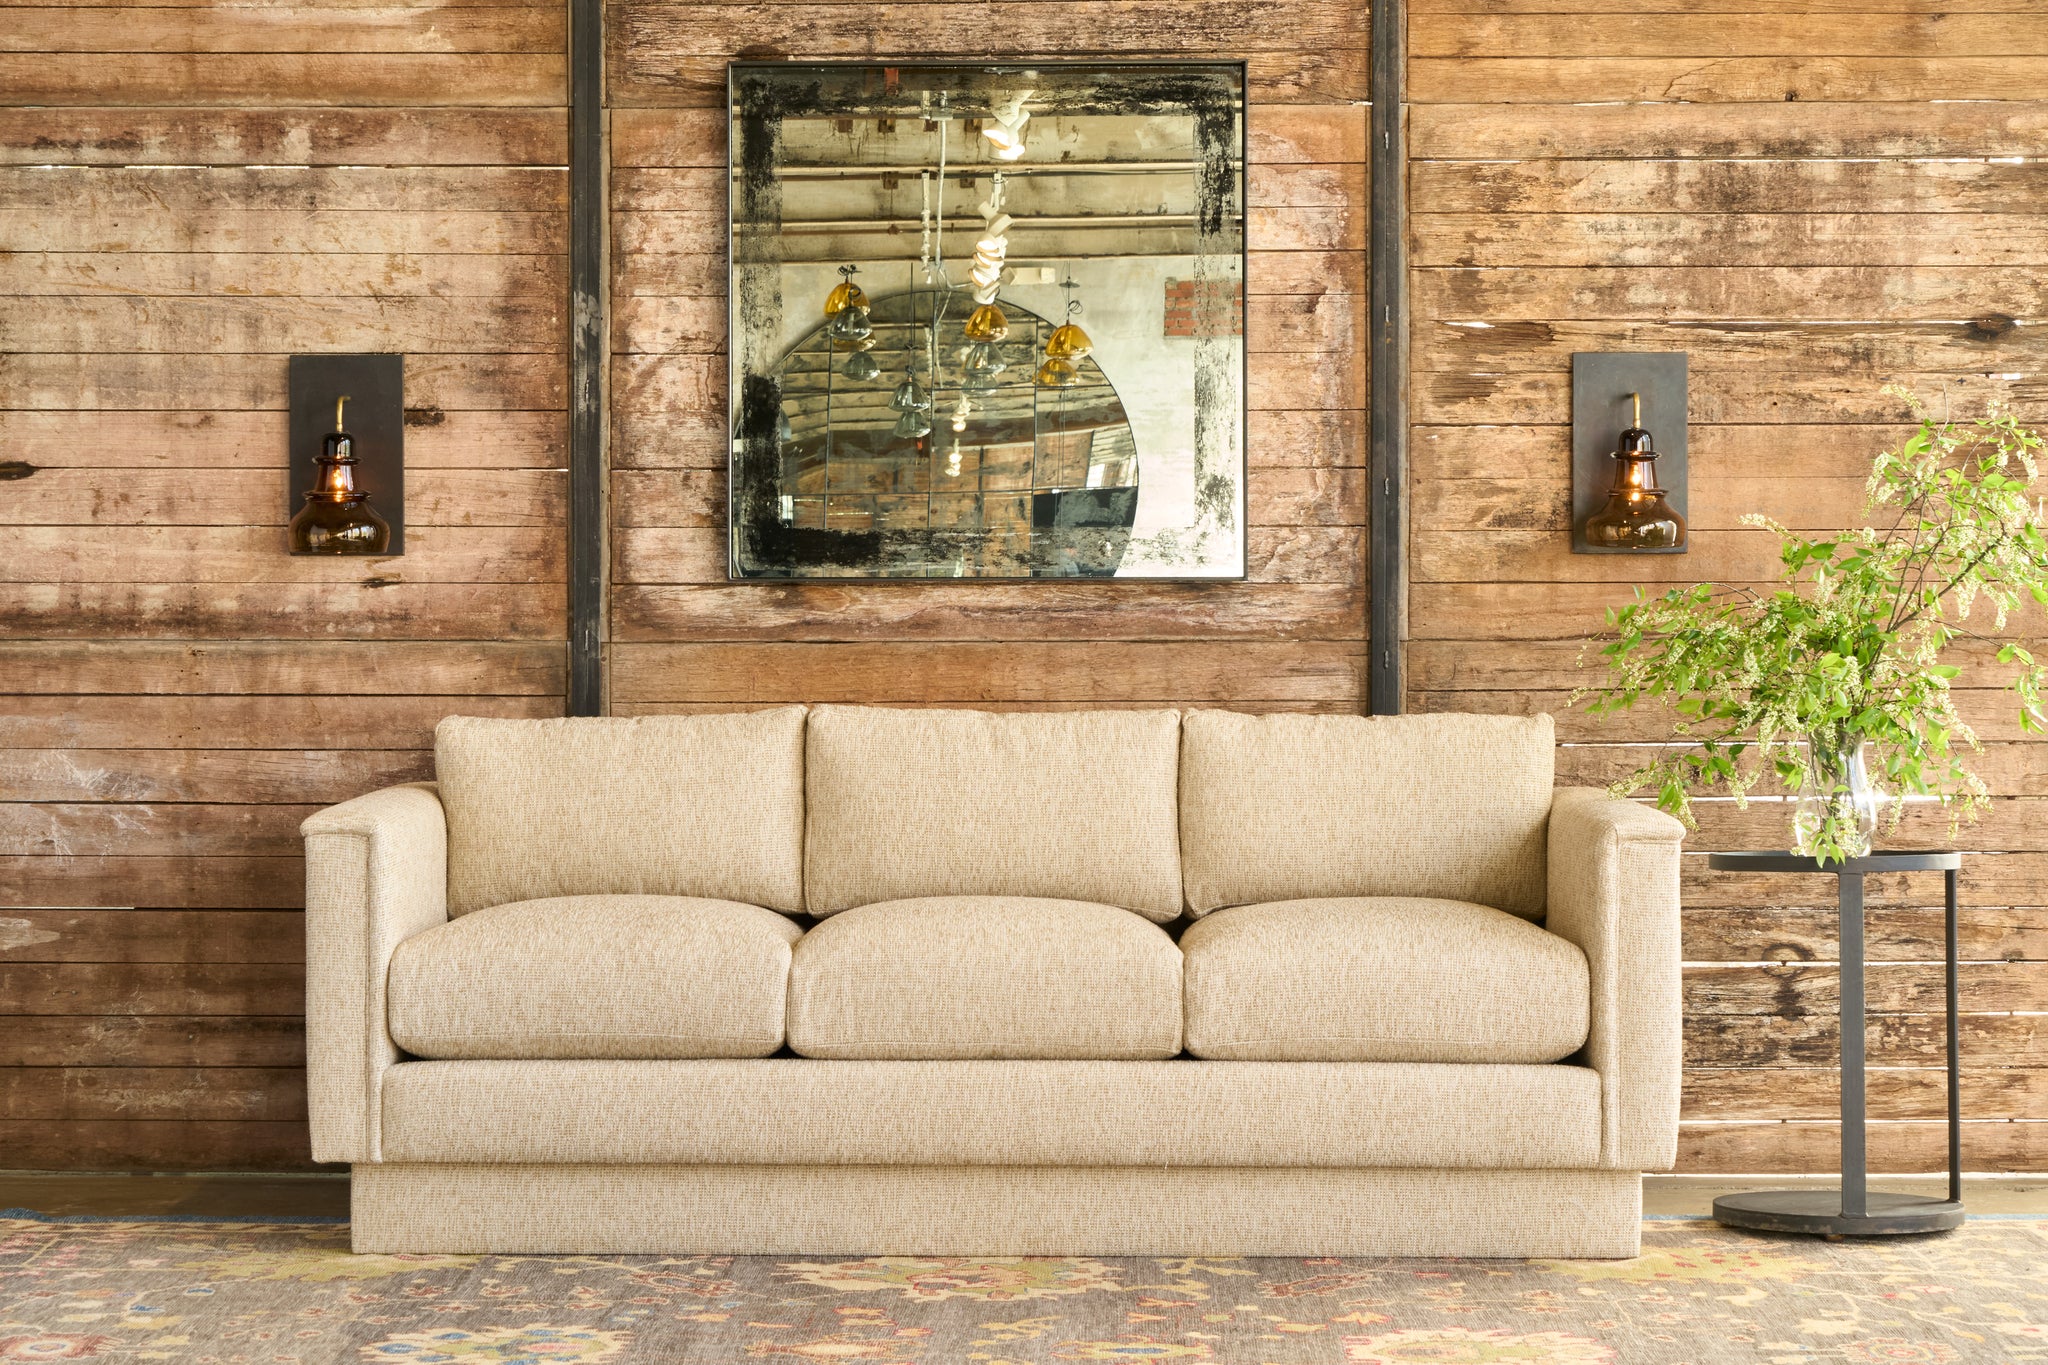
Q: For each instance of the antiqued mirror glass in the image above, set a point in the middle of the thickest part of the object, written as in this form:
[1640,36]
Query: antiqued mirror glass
[987,321]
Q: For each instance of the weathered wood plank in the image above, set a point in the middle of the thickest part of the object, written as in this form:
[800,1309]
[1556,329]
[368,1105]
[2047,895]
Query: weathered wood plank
[232,722]
[283,137]
[1723,1095]
[301,776]
[209,883]
[369,609]
[1763,32]
[70,988]
[1891,988]
[1781,934]
[1703,80]
[152,936]
[1299,51]
[1757,239]
[161,555]
[434,439]
[458,231]
[1991,341]
[1744,8]
[256,497]
[972,673]
[265,275]
[1753,394]
[169,190]
[468,670]
[180,326]
[1751,187]
[1895,126]
[104,828]
[1804,1148]
[1554,665]
[256,79]
[157,1145]
[1710,293]
[48,1094]
[1988,1040]
[138,1040]
[281,28]
[1126,609]
[434,384]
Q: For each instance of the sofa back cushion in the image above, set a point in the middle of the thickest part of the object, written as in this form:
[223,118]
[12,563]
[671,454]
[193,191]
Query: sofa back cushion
[706,806]
[1285,807]
[1073,805]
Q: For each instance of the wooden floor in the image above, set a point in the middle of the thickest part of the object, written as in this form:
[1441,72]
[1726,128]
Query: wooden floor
[326,1196]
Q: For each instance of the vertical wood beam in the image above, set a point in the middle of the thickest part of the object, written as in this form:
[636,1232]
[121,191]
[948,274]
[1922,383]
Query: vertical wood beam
[587,330]
[1387,300]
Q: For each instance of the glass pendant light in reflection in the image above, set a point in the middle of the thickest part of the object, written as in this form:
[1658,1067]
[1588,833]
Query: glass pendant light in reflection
[910,396]
[913,424]
[851,329]
[953,459]
[986,323]
[984,362]
[1067,346]
[860,367]
[960,411]
[846,294]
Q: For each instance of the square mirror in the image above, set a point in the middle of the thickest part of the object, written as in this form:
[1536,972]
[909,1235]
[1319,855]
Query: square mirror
[987,321]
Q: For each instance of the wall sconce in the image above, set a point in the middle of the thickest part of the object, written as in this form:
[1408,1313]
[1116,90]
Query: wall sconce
[1628,496]
[335,472]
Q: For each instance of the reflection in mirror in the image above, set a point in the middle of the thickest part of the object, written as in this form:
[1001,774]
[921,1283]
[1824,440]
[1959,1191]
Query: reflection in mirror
[987,322]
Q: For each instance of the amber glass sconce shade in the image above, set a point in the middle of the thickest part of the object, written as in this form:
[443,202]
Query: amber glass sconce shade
[337,518]
[1637,515]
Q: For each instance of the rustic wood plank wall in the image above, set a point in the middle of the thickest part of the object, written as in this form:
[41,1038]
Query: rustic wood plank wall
[188,194]
[1772,189]
[1291,637]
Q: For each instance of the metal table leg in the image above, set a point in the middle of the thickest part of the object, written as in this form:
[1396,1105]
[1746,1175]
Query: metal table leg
[1855,1210]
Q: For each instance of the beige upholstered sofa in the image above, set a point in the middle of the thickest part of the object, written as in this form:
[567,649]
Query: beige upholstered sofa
[855,980]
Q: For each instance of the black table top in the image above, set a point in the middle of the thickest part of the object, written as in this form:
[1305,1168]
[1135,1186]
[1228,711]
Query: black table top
[1922,860]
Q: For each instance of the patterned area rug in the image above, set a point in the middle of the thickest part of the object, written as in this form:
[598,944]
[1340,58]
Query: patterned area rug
[204,1292]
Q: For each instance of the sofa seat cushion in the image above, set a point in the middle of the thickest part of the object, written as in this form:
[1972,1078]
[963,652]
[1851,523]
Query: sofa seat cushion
[950,977]
[795,1111]
[595,977]
[1381,980]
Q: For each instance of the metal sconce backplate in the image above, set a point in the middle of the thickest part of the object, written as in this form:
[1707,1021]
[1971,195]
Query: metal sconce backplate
[375,385]
[1601,384]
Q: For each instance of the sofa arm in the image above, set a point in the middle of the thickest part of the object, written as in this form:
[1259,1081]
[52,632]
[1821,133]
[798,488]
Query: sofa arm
[376,874]
[1614,892]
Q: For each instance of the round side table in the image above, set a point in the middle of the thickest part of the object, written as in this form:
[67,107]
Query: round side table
[1855,1210]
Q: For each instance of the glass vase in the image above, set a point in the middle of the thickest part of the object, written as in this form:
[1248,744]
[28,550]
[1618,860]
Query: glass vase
[1836,813]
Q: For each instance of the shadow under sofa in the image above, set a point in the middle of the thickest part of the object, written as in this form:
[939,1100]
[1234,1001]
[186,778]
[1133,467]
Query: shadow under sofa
[884,981]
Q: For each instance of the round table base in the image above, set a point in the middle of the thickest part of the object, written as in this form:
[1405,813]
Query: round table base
[1820,1211]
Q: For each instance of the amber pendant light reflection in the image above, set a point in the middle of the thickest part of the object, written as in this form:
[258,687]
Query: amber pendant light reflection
[1637,515]
[337,518]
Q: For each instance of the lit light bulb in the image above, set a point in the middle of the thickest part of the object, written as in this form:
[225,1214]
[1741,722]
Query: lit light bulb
[953,461]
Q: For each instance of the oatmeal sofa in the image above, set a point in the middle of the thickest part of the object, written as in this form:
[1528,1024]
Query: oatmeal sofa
[865,980]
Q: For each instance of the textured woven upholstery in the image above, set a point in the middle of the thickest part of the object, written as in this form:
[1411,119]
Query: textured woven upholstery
[1074,805]
[1287,807]
[997,1211]
[595,976]
[1614,892]
[985,977]
[1028,1113]
[376,874]
[1393,980]
[708,806]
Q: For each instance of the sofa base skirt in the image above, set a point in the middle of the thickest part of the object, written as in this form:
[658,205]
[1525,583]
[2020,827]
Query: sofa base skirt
[993,1211]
